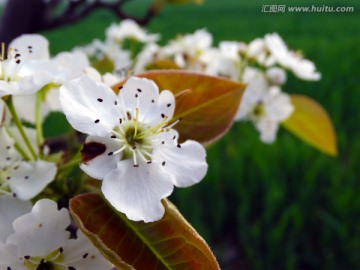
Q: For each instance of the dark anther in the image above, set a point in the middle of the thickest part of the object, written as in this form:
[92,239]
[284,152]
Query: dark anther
[179,146]
[136,165]
[96,121]
[110,153]
[85,255]
[139,90]
[163,115]
[163,163]
[169,104]
[100,99]
[92,150]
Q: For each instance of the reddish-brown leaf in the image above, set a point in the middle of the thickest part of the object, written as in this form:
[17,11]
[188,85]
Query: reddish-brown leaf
[207,105]
[170,243]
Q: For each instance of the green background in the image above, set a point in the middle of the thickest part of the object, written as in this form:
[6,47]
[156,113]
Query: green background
[280,206]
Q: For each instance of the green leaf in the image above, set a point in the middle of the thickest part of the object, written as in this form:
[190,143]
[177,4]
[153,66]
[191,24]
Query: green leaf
[311,123]
[206,104]
[170,243]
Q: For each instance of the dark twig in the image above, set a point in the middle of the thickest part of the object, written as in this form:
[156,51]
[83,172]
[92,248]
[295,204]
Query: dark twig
[32,16]
[77,11]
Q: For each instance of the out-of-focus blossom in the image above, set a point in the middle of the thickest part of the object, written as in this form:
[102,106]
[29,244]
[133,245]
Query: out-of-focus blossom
[19,178]
[41,241]
[266,106]
[129,29]
[302,68]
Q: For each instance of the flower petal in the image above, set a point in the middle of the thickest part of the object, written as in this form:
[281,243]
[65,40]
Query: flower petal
[165,107]
[141,93]
[30,47]
[42,230]
[185,163]
[89,106]
[99,166]
[80,253]
[268,129]
[10,209]
[30,178]
[137,192]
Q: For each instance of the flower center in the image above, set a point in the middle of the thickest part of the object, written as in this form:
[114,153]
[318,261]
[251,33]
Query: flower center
[258,110]
[137,140]
[53,261]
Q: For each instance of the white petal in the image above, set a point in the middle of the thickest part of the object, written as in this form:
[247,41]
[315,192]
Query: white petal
[279,108]
[10,209]
[31,47]
[42,230]
[81,254]
[137,192]
[71,65]
[268,129]
[141,93]
[30,178]
[89,106]
[25,106]
[8,257]
[185,163]
[99,166]
[256,91]
[164,107]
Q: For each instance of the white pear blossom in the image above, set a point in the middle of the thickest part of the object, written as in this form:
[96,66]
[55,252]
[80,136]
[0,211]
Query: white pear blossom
[41,241]
[17,77]
[62,68]
[129,29]
[22,179]
[266,106]
[150,53]
[132,146]
[10,209]
[223,61]
[302,68]
[186,51]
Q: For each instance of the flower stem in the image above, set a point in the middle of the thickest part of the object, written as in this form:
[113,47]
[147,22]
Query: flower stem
[19,125]
[72,163]
[38,118]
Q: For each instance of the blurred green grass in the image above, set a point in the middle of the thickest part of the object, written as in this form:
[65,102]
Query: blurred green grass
[283,206]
